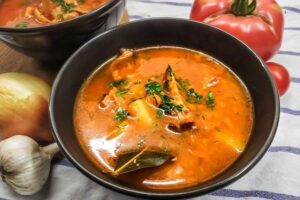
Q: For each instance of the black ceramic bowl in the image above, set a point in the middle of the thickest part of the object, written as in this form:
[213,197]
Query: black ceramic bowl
[175,32]
[55,43]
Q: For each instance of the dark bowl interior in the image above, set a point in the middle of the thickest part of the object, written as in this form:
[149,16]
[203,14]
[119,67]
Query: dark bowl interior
[169,32]
[56,42]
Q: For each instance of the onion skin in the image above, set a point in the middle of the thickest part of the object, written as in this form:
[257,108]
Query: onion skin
[24,107]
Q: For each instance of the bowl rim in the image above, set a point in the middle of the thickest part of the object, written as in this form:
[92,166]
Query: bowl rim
[49,27]
[162,194]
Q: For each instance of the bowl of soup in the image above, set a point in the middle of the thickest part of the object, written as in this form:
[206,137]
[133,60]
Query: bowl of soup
[164,108]
[51,30]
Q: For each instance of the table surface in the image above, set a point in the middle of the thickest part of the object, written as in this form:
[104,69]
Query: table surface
[276,176]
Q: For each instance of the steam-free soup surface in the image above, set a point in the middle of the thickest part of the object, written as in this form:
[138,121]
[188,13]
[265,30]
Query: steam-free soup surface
[32,13]
[172,101]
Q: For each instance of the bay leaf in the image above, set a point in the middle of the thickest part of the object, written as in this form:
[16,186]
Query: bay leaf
[136,160]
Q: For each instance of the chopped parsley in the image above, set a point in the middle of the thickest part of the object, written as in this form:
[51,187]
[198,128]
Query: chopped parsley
[118,84]
[153,87]
[65,6]
[60,16]
[183,84]
[121,92]
[193,97]
[121,114]
[165,98]
[210,100]
[170,71]
[179,107]
[154,125]
[22,25]
[121,126]
[81,1]
[159,113]
[168,106]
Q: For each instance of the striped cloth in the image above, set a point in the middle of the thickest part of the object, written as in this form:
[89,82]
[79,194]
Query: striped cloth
[276,176]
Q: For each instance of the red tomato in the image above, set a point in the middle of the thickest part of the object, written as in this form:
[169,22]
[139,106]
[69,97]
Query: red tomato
[281,77]
[258,24]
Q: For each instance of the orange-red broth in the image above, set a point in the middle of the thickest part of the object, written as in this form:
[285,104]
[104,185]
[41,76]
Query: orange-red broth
[202,153]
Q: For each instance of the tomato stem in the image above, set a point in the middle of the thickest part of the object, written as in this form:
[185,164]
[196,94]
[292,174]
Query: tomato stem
[243,7]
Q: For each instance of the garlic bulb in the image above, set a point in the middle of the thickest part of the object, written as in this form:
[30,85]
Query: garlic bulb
[24,165]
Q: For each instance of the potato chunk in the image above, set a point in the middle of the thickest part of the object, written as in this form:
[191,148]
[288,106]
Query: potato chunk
[142,111]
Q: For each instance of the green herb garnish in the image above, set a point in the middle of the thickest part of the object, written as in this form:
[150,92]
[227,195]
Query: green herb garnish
[154,125]
[179,107]
[22,25]
[183,83]
[60,16]
[170,71]
[121,92]
[118,84]
[153,87]
[121,114]
[210,100]
[81,1]
[68,6]
[193,97]
[168,106]
[159,113]
[65,6]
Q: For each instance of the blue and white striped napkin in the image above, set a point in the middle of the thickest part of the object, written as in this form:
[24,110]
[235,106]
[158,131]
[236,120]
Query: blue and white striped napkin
[276,176]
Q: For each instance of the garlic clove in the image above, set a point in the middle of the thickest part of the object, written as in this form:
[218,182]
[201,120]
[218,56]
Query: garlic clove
[24,165]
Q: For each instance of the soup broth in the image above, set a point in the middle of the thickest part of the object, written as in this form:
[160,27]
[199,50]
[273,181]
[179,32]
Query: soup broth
[32,13]
[171,101]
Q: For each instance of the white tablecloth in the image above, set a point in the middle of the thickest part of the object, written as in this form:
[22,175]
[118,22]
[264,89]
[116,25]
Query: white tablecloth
[276,176]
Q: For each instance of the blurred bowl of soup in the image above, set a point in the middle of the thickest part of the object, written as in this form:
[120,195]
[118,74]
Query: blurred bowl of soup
[51,30]
[182,97]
